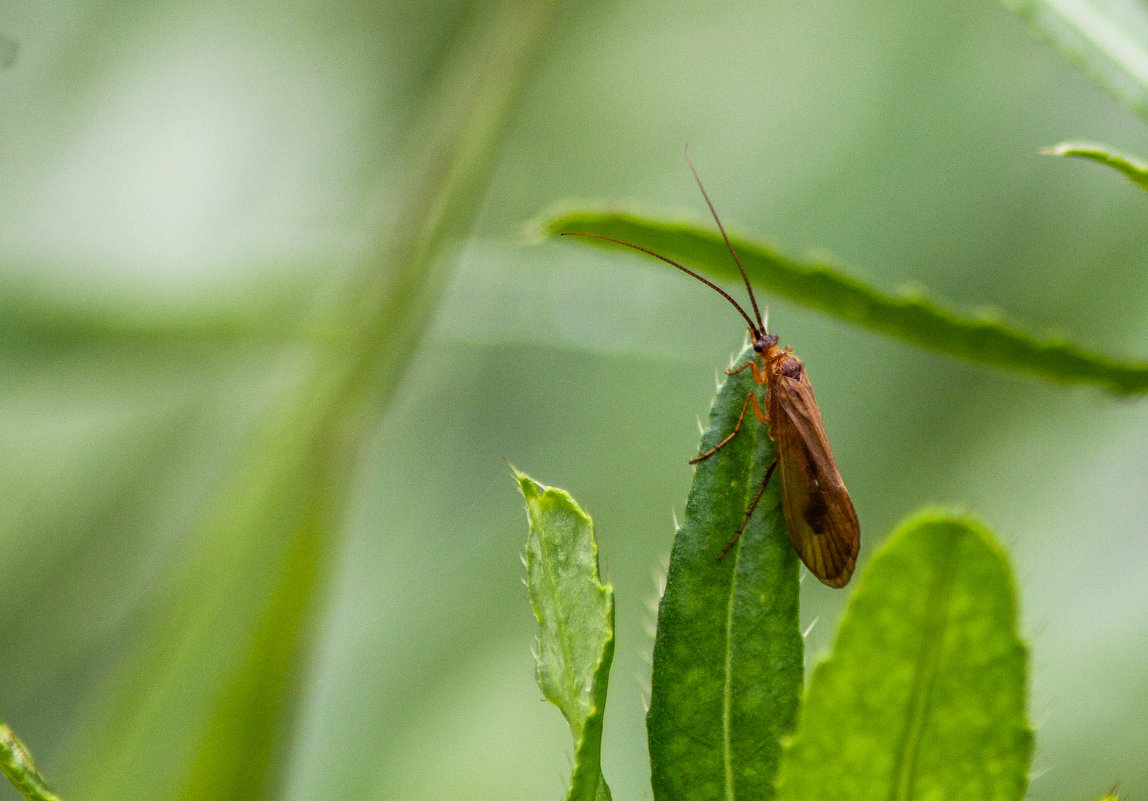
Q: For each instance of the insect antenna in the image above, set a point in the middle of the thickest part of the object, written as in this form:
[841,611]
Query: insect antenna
[757,328]
[728,244]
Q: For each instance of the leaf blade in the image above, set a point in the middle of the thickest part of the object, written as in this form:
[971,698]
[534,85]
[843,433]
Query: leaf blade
[728,657]
[978,337]
[575,613]
[926,682]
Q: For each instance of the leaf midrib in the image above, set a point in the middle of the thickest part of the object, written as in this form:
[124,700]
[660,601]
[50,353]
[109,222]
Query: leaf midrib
[727,688]
[937,613]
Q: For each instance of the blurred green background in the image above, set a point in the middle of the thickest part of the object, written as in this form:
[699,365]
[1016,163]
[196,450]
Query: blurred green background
[242,557]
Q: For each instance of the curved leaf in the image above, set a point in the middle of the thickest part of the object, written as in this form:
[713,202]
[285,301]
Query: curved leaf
[728,655]
[924,694]
[575,614]
[976,337]
[1132,168]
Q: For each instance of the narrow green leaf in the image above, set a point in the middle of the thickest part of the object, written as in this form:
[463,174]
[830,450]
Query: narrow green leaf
[1134,169]
[575,614]
[728,666]
[976,337]
[204,703]
[16,764]
[924,693]
[1107,41]
[35,315]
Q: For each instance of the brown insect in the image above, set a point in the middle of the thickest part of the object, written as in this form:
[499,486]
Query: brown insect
[818,512]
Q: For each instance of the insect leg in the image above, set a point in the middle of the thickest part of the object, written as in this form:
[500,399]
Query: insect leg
[749,511]
[737,426]
[758,373]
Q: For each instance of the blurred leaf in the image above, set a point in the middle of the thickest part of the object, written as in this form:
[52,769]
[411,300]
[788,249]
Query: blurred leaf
[205,701]
[1134,169]
[914,319]
[924,693]
[37,316]
[16,763]
[1106,39]
[575,614]
[728,657]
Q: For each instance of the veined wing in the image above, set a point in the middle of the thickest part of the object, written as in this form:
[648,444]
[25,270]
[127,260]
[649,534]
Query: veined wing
[818,512]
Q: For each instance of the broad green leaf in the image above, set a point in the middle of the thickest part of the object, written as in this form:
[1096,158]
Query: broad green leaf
[912,318]
[17,765]
[1106,39]
[1134,169]
[728,655]
[575,614]
[923,696]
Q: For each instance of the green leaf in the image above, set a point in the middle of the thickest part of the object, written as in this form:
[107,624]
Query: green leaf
[1107,41]
[575,614]
[1134,169]
[924,693]
[16,764]
[728,655]
[976,337]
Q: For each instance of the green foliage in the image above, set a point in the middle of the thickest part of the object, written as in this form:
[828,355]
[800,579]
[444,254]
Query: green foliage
[575,614]
[922,697]
[924,694]
[912,318]
[728,666]
[17,765]
[1131,167]
[1107,41]
[193,676]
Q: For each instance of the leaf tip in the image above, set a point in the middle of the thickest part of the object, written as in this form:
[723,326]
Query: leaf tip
[551,222]
[526,485]
[1062,149]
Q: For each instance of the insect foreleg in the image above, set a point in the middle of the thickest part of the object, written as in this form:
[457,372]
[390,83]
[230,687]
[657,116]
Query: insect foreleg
[758,373]
[737,426]
[749,511]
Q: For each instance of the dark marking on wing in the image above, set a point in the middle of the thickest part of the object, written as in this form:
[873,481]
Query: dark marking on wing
[816,511]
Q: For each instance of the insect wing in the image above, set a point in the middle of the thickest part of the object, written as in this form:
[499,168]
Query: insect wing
[821,520]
